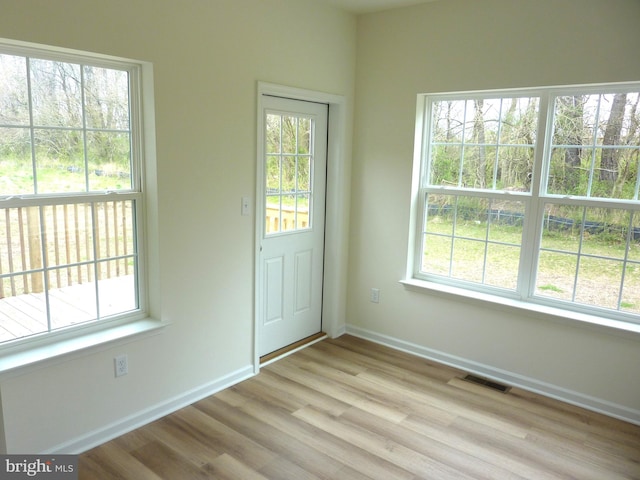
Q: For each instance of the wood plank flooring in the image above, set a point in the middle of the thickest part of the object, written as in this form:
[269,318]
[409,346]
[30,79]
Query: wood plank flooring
[349,409]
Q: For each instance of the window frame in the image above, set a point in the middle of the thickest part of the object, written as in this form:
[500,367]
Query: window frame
[523,297]
[24,351]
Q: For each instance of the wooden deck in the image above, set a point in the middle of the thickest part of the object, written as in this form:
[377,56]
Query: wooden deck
[25,315]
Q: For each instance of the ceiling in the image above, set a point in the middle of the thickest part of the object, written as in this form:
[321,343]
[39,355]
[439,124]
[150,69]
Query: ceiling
[368,6]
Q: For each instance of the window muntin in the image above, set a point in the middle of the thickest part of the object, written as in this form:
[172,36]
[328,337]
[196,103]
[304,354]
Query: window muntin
[70,192]
[569,238]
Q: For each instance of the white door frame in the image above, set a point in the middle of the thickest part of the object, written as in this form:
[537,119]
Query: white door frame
[336,214]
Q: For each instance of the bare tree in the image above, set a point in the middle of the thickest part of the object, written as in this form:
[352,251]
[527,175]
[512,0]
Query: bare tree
[612,132]
[479,135]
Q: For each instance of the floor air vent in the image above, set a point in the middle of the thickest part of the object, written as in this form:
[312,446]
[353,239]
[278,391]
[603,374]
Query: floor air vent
[487,383]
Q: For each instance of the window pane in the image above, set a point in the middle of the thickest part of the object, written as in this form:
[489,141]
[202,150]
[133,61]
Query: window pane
[561,228]
[56,93]
[570,171]
[519,120]
[22,308]
[448,121]
[302,217]
[288,165]
[273,174]
[438,235]
[69,237]
[445,165]
[72,304]
[437,255]
[20,240]
[630,301]
[473,239]
[106,98]
[478,166]
[556,275]
[288,213]
[506,222]
[468,260]
[633,253]
[605,232]
[514,168]
[596,242]
[14,103]
[304,174]
[114,227]
[272,214]
[272,133]
[501,260]
[59,161]
[471,218]
[599,282]
[304,136]
[16,166]
[596,139]
[116,287]
[440,214]
[109,161]
[289,174]
[289,134]
[483,143]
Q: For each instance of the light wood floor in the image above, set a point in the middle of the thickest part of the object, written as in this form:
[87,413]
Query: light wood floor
[349,409]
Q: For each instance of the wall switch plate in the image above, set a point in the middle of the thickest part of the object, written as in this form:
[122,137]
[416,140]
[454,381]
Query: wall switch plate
[375,295]
[246,208]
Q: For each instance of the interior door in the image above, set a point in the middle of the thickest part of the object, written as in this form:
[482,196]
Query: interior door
[291,258]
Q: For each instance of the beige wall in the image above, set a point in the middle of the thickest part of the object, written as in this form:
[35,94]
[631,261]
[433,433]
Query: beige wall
[459,45]
[208,56]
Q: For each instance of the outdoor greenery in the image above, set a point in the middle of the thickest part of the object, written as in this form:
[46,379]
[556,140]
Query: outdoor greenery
[485,248]
[72,136]
[489,144]
[288,161]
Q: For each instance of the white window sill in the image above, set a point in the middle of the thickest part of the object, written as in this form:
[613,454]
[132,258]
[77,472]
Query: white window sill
[606,325]
[26,358]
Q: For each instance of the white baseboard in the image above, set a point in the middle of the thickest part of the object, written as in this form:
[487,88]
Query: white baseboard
[513,379]
[127,424]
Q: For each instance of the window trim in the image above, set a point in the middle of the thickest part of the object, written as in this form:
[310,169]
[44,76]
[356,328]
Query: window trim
[30,351]
[496,297]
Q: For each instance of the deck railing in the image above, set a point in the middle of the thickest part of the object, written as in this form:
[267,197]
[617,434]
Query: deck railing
[283,220]
[77,243]
[73,239]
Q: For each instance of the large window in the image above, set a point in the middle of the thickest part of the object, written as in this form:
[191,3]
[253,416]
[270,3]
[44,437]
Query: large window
[70,192]
[533,195]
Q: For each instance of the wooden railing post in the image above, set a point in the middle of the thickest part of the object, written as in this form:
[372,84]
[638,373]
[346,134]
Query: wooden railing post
[35,249]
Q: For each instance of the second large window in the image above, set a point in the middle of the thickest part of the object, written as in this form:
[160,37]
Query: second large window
[534,195]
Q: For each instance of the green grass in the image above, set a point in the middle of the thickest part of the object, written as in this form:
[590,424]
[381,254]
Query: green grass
[16,177]
[551,288]
[598,278]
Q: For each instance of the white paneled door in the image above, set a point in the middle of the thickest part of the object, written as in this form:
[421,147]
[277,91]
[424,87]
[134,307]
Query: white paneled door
[293,186]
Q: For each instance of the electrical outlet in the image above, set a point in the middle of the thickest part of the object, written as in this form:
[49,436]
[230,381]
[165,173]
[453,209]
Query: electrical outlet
[375,295]
[121,365]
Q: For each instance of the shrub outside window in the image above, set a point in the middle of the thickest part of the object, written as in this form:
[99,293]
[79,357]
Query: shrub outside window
[70,192]
[533,195]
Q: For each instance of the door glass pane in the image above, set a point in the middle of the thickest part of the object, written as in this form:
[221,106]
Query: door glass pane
[288,172]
